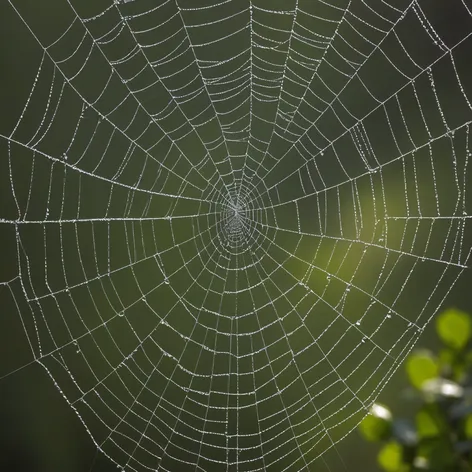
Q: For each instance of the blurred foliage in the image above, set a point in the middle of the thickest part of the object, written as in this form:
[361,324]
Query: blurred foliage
[438,438]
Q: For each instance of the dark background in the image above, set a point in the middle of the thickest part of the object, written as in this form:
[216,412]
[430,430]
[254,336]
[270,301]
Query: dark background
[40,432]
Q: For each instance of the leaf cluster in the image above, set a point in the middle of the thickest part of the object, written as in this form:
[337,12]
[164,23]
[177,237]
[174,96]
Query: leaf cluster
[439,436]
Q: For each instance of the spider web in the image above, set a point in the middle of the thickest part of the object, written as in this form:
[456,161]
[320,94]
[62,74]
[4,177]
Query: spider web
[232,220]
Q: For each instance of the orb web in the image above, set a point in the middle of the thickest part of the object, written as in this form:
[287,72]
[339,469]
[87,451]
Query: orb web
[231,220]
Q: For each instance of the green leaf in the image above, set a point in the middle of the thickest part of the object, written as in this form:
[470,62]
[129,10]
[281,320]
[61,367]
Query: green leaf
[438,454]
[454,364]
[454,328]
[468,426]
[447,357]
[377,425]
[390,457]
[426,424]
[421,366]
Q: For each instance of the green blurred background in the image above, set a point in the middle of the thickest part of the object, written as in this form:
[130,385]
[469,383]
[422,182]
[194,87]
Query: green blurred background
[40,432]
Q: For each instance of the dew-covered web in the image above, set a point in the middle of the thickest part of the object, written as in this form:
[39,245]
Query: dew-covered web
[231,220]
